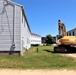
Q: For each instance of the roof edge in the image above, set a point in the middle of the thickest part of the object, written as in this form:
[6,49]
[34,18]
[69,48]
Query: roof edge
[25,17]
[35,34]
[71,29]
[22,7]
[16,3]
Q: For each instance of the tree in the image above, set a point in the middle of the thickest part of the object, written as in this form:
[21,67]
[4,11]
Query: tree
[49,39]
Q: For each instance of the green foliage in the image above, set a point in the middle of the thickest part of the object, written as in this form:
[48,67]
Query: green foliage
[49,39]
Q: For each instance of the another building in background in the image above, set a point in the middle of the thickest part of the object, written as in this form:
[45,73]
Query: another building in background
[43,40]
[35,39]
[71,32]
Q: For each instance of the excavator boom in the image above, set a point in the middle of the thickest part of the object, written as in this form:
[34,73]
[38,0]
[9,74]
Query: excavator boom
[61,28]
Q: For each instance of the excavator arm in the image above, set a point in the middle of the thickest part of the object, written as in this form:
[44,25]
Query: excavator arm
[61,32]
[61,28]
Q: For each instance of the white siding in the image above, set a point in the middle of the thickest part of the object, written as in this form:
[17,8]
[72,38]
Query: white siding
[6,28]
[35,39]
[28,38]
[25,34]
[21,29]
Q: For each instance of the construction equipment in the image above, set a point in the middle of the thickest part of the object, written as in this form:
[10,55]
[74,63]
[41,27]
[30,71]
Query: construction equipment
[64,42]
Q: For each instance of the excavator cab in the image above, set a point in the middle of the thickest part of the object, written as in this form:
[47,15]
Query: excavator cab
[59,36]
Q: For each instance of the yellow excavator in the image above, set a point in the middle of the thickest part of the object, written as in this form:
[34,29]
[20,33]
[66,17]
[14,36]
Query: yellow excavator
[64,42]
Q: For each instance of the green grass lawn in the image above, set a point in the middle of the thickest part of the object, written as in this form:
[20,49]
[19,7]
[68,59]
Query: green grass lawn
[44,59]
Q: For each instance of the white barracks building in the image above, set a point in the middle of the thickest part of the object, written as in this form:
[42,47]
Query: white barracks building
[35,39]
[15,33]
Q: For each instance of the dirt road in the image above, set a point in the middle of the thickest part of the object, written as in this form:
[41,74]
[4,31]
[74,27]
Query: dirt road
[37,72]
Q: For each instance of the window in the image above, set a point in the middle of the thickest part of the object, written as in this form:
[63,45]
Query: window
[67,34]
[73,33]
[70,34]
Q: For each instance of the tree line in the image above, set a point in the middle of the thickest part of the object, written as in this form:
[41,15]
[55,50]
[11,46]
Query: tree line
[49,39]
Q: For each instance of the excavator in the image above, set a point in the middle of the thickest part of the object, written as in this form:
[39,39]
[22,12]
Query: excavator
[64,42]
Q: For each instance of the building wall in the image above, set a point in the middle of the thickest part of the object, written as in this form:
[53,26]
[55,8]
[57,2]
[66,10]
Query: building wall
[25,34]
[6,28]
[22,32]
[35,40]
[28,37]
[72,32]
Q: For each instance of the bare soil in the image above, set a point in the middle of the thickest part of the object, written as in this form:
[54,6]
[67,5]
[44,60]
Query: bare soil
[37,72]
[70,55]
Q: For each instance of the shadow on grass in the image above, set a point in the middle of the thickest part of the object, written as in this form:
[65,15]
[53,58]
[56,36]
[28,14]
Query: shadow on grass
[48,51]
[71,50]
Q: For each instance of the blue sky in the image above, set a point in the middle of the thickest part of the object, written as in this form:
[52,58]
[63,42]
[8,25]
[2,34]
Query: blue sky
[43,15]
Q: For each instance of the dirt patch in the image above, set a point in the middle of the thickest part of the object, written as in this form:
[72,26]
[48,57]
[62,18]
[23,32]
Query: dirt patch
[70,55]
[37,72]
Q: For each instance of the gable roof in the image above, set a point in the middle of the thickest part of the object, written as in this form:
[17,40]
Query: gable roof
[35,34]
[23,11]
[72,29]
